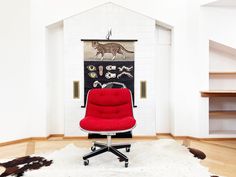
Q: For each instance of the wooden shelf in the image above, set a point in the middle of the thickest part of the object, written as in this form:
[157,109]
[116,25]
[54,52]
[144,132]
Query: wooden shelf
[222,91]
[218,93]
[222,73]
[220,113]
[223,132]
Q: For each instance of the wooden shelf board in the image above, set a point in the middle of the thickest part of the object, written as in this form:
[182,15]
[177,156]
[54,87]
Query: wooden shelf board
[221,73]
[218,93]
[223,113]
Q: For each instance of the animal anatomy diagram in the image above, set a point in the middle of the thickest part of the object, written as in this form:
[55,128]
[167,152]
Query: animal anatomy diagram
[125,68]
[108,85]
[110,75]
[112,48]
[124,73]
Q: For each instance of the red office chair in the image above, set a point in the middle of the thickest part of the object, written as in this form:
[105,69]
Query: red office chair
[108,111]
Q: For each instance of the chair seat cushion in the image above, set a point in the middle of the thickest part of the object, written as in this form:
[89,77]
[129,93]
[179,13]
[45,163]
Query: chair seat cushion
[90,123]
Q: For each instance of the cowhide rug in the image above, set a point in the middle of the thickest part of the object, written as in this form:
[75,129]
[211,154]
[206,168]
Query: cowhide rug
[162,157]
[18,166]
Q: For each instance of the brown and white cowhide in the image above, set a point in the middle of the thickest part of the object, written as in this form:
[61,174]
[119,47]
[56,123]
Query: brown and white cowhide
[18,166]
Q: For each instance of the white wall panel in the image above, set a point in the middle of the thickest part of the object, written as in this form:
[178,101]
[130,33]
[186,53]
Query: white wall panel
[55,79]
[14,69]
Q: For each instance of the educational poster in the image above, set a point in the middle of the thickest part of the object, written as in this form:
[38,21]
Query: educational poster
[108,64]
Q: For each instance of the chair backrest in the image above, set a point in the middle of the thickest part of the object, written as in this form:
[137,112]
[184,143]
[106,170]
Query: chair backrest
[109,103]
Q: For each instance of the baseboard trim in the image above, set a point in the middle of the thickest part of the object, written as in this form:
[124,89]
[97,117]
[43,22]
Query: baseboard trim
[193,138]
[201,139]
[23,140]
[55,136]
[75,137]
[215,139]
[15,142]
[144,137]
[38,138]
[165,134]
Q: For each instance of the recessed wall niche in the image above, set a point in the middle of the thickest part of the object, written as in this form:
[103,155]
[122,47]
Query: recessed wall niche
[65,65]
[222,79]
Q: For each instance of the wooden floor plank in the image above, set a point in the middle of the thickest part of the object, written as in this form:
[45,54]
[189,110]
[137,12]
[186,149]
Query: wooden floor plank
[30,148]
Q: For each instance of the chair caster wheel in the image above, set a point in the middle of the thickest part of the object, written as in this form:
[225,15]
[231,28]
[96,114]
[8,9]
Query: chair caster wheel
[127,149]
[86,162]
[126,164]
[93,148]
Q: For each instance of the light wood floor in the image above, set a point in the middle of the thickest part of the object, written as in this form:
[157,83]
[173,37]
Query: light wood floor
[221,155]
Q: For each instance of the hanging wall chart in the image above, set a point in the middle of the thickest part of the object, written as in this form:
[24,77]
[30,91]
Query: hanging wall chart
[108,64]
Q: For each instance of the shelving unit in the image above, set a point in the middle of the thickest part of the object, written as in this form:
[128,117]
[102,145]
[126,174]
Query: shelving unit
[222,132]
[222,113]
[222,91]
[218,93]
[212,74]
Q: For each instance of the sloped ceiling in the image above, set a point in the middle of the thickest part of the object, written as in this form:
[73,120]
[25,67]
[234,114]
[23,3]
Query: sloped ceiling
[158,22]
[222,3]
[222,47]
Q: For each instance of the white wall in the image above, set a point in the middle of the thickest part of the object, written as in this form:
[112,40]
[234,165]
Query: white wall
[14,69]
[38,71]
[163,79]
[216,24]
[55,79]
[220,25]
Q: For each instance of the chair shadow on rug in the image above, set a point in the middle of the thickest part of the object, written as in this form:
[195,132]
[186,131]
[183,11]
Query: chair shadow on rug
[108,111]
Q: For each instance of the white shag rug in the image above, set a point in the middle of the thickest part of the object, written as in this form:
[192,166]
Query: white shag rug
[162,158]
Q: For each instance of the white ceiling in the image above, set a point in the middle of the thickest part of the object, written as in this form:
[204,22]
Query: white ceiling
[223,3]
